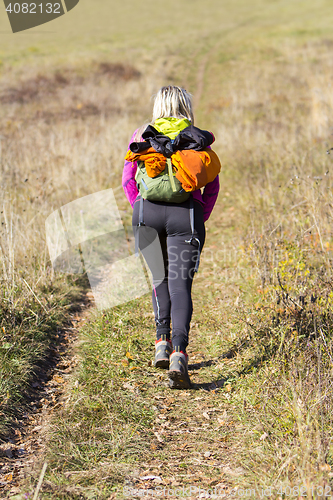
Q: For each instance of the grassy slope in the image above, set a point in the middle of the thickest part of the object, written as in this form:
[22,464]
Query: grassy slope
[261,349]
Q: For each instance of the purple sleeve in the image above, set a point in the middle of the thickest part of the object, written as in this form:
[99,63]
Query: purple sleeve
[209,196]
[128,179]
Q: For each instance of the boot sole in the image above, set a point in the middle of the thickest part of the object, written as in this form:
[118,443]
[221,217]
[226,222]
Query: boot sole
[178,380]
[162,363]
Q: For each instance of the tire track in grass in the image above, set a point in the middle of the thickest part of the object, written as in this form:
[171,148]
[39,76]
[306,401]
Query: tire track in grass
[191,446]
[200,76]
[23,447]
[181,436]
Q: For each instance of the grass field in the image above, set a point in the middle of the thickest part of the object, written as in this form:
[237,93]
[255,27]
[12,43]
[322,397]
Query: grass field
[71,93]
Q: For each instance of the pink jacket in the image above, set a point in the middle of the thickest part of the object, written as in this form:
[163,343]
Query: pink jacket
[207,198]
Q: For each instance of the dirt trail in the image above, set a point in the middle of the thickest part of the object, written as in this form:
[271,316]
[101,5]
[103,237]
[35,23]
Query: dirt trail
[26,444]
[191,449]
[200,77]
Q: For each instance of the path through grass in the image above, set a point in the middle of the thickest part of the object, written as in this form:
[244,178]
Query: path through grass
[261,355]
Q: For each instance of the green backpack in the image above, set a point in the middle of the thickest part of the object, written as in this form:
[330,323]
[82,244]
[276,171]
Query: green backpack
[163,187]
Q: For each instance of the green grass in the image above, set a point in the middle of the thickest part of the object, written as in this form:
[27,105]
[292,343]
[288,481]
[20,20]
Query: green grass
[111,389]
[29,329]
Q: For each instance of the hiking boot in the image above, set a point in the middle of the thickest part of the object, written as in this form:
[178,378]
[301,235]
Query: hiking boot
[178,371]
[163,349]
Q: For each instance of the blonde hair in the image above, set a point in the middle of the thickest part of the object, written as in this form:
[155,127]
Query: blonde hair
[173,101]
[139,132]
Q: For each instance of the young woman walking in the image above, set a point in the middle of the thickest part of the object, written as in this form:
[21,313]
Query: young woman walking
[181,238]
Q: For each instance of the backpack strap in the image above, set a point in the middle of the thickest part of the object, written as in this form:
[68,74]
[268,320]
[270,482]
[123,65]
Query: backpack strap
[193,238]
[141,223]
[172,180]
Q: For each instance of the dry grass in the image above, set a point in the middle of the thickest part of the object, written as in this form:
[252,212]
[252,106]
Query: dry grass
[261,345]
[275,127]
[56,132]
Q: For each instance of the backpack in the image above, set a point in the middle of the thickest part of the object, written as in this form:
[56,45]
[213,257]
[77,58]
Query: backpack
[163,187]
[173,184]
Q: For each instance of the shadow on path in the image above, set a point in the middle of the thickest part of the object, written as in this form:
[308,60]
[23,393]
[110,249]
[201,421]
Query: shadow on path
[214,385]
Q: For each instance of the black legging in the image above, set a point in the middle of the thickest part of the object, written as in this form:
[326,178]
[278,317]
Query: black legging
[171,285]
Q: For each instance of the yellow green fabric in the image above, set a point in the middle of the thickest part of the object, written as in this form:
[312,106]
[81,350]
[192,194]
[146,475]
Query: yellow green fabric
[171,126]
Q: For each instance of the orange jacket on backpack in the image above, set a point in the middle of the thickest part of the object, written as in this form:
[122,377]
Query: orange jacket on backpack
[194,169]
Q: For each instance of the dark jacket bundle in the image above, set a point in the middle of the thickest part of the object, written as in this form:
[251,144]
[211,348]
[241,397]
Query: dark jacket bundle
[189,138]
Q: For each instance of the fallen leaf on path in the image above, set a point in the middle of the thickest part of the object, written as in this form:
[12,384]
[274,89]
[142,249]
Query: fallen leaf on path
[128,386]
[220,486]
[151,478]
[159,438]
[37,428]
